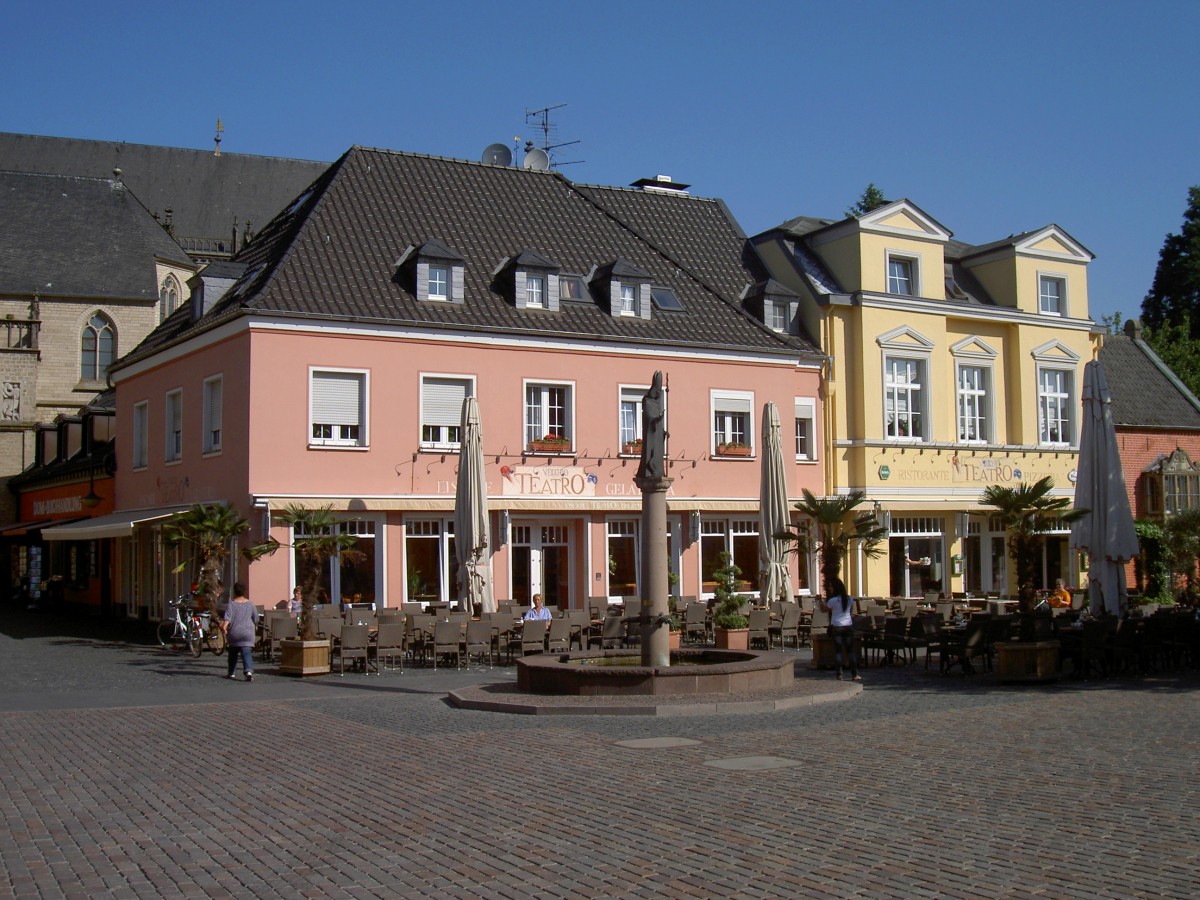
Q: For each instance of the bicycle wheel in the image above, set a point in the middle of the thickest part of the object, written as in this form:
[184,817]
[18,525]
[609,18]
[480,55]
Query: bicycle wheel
[166,633]
[215,639]
[195,639]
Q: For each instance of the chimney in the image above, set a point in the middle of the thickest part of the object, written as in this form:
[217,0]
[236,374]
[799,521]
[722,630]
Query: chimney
[661,184]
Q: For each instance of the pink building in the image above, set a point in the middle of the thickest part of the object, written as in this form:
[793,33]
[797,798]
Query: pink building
[332,372]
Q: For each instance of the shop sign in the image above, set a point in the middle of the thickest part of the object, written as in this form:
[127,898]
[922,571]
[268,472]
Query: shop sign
[57,506]
[884,473]
[547,481]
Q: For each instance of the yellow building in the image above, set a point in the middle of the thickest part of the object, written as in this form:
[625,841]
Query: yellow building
[952,367]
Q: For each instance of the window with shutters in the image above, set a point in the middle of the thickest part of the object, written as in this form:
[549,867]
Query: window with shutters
[338,408]
[731,418]
[174,420]
[806,428]
[442,399]
[212,414]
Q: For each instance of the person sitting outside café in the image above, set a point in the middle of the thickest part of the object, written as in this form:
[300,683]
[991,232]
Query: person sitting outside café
[294,604]
[538,611]
[1060,597]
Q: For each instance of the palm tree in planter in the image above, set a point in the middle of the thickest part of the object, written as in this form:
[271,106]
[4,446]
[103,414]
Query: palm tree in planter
[837,526]
[211,532]
[1027,512]
[732,629]
[316,538]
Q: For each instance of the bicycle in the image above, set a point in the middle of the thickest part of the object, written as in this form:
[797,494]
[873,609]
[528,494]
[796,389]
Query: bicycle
[183,628]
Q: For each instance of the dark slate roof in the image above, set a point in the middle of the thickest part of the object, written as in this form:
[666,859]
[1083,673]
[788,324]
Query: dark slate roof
[207,193]
[78,237]
[334,254]
[1145,393]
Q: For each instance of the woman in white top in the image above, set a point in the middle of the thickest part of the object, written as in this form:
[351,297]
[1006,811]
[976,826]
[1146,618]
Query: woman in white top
[839,604]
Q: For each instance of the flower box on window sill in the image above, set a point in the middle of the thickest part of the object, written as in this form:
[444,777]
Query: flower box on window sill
[545,446]
[732,450]
[632,448]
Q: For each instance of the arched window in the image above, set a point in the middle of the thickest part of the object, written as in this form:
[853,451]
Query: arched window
[168,297]
[98,348]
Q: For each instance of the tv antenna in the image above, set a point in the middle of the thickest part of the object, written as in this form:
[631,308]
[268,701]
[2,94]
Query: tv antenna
[540,118]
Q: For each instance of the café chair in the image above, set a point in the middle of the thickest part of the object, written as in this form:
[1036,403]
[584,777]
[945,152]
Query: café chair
[695,623]
[760,623]
[354,644]
[558,639]
[447,641]
[390,645]
[533,636]
[612,633]
[479,642]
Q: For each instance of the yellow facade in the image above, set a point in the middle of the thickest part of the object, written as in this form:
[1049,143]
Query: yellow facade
[930,398]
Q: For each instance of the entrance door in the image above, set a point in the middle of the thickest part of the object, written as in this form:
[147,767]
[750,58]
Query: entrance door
[541,554]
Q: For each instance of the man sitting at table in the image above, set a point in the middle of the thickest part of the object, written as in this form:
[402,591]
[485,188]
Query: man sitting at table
[1060,597]
[537,611]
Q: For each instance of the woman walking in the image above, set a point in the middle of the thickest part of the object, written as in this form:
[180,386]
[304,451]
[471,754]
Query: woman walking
[838,603]
[240,618]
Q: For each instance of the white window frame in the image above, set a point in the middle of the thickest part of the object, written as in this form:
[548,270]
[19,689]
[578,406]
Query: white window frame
[141,434]
[778,316]
[535,290]
[443,282]
[1057,405]
[913,262]
[629,413]
[892,391]
[337,436]
[213,412]
[173,426]
[629,299]
[552,417]
[725,410]
[973,404]
[806,419]
[1047,278]
[439,424]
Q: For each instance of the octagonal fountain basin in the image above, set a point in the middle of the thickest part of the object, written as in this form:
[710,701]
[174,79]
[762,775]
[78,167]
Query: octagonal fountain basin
[619,672]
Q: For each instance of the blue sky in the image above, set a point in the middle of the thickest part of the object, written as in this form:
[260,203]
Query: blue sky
[995,118]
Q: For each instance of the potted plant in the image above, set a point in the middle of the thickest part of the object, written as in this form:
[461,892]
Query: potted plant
[317,539]
[632,448]
[549,443]
[733,448]
[1027,512]
[731,628]
[676,624]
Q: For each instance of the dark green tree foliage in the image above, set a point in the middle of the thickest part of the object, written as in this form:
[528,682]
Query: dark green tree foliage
[1151,567]
[1174,297]
[872,198]
[1181,352]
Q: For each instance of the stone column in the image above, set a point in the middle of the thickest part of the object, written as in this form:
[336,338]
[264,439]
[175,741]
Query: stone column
[655,629]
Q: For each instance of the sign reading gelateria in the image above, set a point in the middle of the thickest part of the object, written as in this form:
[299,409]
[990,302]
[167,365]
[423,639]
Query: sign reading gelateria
[547,481]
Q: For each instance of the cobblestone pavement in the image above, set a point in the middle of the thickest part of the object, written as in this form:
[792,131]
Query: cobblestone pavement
[132,772]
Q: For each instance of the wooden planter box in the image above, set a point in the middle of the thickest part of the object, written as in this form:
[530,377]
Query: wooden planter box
[297,657]
[631,449]
[549,447]
[726,450]
[1027,663]
[733,638]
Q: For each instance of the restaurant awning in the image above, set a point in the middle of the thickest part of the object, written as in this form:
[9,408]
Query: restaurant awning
[19,528]
[118,524]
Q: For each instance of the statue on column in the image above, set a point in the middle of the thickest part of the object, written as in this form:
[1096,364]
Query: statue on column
[654,435]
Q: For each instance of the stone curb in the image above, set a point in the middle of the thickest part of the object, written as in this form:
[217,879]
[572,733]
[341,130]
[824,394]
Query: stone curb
[491,698]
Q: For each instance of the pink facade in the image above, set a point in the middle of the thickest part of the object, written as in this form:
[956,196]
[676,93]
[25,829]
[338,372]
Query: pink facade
[563,524]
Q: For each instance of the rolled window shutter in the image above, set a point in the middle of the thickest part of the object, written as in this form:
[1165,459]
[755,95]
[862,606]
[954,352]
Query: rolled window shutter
[442,400]
[336,398]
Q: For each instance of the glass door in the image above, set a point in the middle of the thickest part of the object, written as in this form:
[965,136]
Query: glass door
[541,554]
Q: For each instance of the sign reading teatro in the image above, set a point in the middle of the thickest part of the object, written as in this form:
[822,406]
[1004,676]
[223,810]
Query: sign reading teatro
[547,481]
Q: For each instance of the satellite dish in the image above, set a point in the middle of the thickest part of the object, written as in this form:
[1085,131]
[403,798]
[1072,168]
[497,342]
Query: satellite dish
[537,160]
[497,155]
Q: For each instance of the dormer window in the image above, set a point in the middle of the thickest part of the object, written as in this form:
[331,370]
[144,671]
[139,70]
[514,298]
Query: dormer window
[433,272]
[439,282]
[1052,293]
[571,287]
[535,291]
[902,275]
[626,286]
[629,300]
[777,316]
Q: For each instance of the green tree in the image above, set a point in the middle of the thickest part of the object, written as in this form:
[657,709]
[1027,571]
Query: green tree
[1178,349]
[728,605]
[1152,566]
[1181,542]
[872,198]
[1027,512]
[1174,297]
[1114,323]
[837,527]
[211,532]
[317,538]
